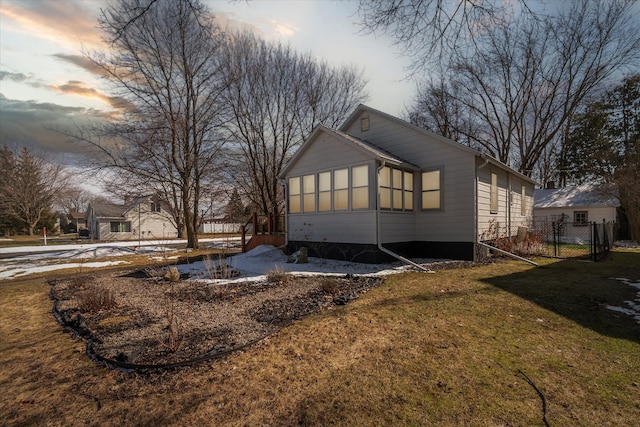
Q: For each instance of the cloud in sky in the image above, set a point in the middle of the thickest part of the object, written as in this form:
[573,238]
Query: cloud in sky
[68,21]
[33,124]
[74,87]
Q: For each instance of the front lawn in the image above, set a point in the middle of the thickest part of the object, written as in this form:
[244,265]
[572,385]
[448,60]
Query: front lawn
[500,344]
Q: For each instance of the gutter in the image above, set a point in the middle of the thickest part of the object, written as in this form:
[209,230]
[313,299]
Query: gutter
[378,239]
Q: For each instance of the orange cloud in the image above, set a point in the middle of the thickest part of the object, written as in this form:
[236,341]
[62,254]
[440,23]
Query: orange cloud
[64,22]
[74,87]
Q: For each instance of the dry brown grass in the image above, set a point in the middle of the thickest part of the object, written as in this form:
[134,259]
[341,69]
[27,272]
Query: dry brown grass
[443,349]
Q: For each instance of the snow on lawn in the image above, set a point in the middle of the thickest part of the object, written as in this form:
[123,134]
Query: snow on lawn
[37,259]
[255,264]
[633,307]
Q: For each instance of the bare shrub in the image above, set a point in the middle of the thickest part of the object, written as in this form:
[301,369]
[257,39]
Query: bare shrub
[330,286]
[96,299]
[277,275]
[219,269]
[174,336]
[79,282]
[155,272]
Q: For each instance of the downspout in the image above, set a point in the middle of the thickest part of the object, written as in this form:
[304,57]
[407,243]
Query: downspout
[379,240]
[475,225]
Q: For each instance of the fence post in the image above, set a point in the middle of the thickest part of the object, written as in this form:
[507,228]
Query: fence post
[553,231]
[594,237]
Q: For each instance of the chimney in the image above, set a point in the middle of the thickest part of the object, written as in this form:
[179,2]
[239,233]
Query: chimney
[550,185]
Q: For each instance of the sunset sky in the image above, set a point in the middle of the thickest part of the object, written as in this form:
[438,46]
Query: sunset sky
[46,82]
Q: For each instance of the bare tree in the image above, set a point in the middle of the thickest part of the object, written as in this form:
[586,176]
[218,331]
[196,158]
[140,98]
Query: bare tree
[428,29]
[526,76]
[163,62]
[277,96]
[29,185]
[73,199]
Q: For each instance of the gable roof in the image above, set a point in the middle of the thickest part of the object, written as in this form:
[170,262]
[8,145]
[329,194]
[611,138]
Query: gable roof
[357,143]
[108,210]
[585,195]
[361,108]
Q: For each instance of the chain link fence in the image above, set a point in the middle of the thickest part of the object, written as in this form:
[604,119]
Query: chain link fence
[564,239]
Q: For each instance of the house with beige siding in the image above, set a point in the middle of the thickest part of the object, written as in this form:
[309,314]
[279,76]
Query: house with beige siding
[141,218]
[379,186]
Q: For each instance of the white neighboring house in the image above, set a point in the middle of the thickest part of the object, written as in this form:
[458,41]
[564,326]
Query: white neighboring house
[575,206]
[141,218]
[379,183]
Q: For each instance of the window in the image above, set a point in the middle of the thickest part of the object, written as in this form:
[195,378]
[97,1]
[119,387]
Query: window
[324,191]
[341,189]
[309,193]
[360,187]
[408,191]
[294,195]
[396,189]
[580,218]
[431,190]
[385,187]
[494,193]
[364,123]
[155,206]
[120,227]
[523,200]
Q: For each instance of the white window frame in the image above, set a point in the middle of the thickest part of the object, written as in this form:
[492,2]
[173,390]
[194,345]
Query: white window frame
[440,189]
[494,200]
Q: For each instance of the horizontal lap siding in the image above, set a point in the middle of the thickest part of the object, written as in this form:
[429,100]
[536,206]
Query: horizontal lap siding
[154,225]
[337,227]
[455,223]
[326,153]
[397,227]
[501,224]
[596,214]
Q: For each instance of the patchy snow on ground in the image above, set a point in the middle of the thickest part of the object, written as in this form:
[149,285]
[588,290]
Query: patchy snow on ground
[257,263]
[38,259]
[633,307]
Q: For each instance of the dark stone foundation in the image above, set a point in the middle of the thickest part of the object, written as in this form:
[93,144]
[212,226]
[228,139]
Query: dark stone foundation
[370,254]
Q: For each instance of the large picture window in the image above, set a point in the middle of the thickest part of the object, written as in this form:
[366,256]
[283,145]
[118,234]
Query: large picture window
[360,187]
[431,189]
[494,193]
[120,226]
[294,195]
